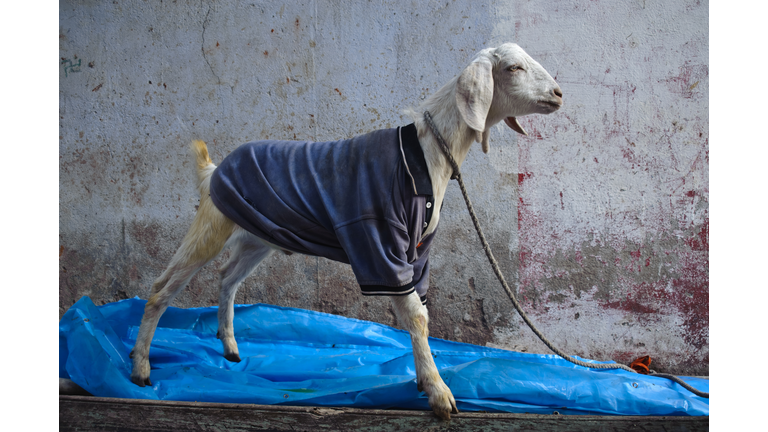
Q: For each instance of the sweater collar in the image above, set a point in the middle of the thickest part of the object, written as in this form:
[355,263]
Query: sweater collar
[414,160]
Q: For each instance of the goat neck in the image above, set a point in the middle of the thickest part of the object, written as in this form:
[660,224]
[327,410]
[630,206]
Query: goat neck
[457,135]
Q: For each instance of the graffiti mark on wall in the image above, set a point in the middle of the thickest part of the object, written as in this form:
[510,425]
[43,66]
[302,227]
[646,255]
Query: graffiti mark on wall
[70,66]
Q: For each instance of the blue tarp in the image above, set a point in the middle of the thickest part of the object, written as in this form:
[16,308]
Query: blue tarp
[299,357]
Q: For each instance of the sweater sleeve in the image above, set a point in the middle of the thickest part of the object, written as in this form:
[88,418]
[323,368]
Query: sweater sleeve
[377,251]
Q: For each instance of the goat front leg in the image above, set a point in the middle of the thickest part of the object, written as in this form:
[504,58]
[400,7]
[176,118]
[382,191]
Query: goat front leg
[413,316]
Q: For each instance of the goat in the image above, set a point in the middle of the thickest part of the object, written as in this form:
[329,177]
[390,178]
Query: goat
[499,84]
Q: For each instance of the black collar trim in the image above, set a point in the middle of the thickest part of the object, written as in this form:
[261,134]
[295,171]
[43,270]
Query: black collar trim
[414,157]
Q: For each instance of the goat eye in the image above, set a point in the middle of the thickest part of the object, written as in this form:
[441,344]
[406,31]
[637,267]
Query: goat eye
[514,68]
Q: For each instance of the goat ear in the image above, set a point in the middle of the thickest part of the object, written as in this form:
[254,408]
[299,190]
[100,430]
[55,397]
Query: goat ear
[513,123]
[474,93]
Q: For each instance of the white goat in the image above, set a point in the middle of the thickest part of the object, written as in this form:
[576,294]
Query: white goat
[500,84]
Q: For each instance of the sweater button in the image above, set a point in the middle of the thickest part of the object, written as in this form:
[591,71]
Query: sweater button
[429,205]
[425,224]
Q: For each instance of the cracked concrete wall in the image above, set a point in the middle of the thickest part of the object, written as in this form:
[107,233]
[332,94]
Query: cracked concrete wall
[599,218]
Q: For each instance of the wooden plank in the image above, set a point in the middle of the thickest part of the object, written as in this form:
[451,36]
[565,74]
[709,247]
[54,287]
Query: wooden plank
[126,415]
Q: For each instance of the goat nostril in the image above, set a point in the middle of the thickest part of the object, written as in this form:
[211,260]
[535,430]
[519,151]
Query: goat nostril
[558,92]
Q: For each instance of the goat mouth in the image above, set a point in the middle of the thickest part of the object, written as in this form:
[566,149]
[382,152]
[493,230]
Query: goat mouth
[549,106]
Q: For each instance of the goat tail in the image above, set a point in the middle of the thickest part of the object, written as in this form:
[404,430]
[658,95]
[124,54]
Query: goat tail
[205,166]
[200,150]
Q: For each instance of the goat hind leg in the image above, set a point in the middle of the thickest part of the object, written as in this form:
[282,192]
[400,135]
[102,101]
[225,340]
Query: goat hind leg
[247,253]
[172,281]
[413,316]
[206,237]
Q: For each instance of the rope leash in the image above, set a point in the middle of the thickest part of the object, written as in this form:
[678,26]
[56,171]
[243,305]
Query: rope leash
[457,176]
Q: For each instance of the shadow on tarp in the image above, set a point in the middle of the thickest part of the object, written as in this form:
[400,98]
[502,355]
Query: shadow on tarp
[300,357]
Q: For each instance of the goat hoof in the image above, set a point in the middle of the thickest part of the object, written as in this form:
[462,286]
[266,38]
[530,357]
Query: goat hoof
[141,382]
[235,358]
[443,413]
[141,370]
[442,402]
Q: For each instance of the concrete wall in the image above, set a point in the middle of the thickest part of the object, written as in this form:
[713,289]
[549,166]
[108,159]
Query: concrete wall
[600,219]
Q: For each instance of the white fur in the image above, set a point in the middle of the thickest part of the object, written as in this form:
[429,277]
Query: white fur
[500,83]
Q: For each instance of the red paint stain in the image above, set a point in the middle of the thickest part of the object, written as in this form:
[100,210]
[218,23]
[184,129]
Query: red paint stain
[629,155]
[689,78]
[700,242]
[524,256]
[691,298]
[531,263]
[521,177]
[642,298]
[687,291]
[630,306]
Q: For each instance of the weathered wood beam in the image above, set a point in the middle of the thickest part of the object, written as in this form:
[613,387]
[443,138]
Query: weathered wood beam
[112,414]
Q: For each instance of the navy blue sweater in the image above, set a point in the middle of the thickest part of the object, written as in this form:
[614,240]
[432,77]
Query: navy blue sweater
[364,201]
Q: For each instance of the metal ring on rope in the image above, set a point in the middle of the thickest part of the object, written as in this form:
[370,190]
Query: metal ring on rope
[457,175]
